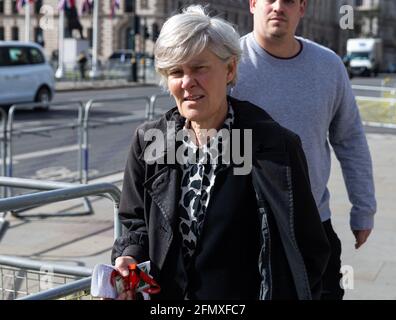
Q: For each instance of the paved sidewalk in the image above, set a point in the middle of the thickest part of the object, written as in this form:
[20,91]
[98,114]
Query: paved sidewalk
[87,240]
[374,265]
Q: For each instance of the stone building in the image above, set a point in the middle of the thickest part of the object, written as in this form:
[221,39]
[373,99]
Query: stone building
[320,23]
[377,18]
[372,18]
[117,32]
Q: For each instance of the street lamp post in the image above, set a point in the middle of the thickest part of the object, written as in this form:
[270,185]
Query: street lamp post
[61,34]
[27,21]
[144,35]
[94,71]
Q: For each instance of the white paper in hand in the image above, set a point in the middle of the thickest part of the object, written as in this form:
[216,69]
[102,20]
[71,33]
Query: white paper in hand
[101,282]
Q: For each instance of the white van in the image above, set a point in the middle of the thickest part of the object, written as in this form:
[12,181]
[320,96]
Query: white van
[365,56]
[25,74]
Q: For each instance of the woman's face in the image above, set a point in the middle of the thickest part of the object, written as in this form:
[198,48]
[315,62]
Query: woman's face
[199,86]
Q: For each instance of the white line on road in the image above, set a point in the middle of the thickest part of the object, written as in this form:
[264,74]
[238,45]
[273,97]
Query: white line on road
[43,153]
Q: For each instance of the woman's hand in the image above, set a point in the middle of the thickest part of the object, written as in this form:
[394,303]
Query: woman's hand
[121,265]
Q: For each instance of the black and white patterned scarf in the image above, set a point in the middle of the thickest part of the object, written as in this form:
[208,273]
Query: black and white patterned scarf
[197,183]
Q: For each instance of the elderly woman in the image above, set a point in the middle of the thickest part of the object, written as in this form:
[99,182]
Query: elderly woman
[209,230]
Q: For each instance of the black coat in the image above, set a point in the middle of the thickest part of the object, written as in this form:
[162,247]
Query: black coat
[298,251]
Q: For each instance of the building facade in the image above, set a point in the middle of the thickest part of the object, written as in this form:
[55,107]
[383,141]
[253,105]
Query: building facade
[137,22]
[320,23]
[371,18]
[134,25]
[377,18]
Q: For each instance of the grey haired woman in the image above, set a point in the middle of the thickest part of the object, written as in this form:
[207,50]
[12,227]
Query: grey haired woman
[210,228]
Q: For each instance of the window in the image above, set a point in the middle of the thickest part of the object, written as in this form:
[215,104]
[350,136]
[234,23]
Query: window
[87,8]
[18,56]
[3,57]
[15,33]
[1,7]
[359,3]
[144,4]
[14,6]
[1,33]
[37,6]
[35,56]
[130,38]
[129,5]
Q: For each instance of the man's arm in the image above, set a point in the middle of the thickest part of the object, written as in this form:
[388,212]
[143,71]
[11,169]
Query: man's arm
[349,142]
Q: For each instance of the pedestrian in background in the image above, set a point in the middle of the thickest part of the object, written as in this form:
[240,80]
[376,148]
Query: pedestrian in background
[82,63]
[305,87]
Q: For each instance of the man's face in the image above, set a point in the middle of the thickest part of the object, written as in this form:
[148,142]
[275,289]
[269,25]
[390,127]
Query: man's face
[277,18]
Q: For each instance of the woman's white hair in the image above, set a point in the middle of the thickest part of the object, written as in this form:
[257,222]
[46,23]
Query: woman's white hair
[187,34]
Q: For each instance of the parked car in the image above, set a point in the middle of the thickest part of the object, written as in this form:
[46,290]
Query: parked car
[25,74]
[123,56]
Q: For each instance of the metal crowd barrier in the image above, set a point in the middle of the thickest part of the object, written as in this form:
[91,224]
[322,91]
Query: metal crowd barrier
[110,121]
[25,279]
[62,192]
[82,123]
[9,132]
[58,192]
[153,101]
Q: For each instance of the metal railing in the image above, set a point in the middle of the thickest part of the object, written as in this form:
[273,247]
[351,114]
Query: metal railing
[82,124]
[59,192]
[91,104]
[24,279]
[153,101]
[62,192]
[74,125]
[10,132]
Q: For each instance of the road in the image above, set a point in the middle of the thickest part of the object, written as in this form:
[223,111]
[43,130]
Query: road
[53,155]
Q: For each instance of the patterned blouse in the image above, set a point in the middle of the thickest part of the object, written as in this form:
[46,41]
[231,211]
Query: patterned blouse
[200,168]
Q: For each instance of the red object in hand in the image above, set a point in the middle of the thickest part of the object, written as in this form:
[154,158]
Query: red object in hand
[136,278]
